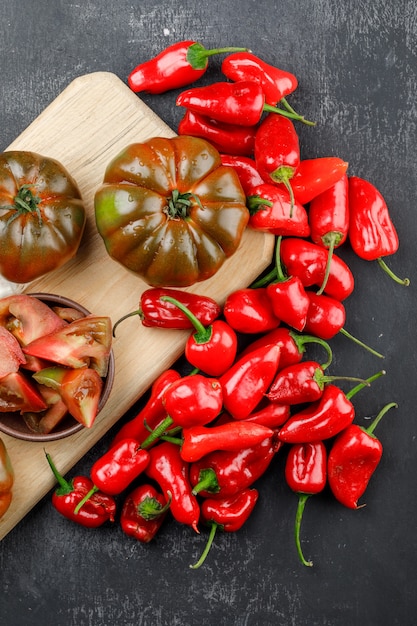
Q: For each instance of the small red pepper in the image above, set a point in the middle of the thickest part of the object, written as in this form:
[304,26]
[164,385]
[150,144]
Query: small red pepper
[249,311]
[306,475]
[230,138]
[270,414]
[99,508]
[116,469]
[223,473]
[245,168]
[275,83]
[353,459]
[372,234]
[308,261]
[212,349]
[241,103]
[171,473]
[271,210]
[247,381]
[324,418]
[143,513]
[156,311]
[313,176]
[178,65]
[199,441]
[228,514]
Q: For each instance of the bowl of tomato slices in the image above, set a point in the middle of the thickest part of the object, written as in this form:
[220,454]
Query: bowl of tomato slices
[56,366]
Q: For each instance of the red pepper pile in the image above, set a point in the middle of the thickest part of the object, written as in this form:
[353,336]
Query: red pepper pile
[202,440]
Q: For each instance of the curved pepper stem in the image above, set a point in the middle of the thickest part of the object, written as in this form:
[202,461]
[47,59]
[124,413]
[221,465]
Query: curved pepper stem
[213,528]
[387,270]
[197,54]
[344,332]
[333,239]
[302,499]
[64,485]
[207,481]
[374,424]
[87,496]
[366,383]
[203,333]
[287,111]
[300,340]
[125,317]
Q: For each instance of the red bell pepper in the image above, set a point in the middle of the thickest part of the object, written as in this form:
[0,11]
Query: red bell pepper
[271,210]
[314,176]
[245,168]
[275,83]
[228,514]
[353,459]
[143,513]
[223,473]
[372,233]
[171,473]
[324,418]
[199,441]
[249,311]
[241,103]
[230,138]
[94,512]
[156,311]
[247,381]
[211,349]
[152,414]
[178,65]
[306,475]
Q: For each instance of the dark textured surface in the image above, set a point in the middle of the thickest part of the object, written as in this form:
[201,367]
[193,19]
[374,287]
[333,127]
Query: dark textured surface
[356,63]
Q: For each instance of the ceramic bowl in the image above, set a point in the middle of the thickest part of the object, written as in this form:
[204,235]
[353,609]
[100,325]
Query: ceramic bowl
[13,424]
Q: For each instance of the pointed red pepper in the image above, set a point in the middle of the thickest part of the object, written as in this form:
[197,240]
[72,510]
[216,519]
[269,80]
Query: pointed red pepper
[249,311]
[353,459]
[245,168]
[314,176]
[143,513]
[271,210]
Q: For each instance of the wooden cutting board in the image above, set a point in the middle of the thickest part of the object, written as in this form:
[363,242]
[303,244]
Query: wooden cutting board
[88,124]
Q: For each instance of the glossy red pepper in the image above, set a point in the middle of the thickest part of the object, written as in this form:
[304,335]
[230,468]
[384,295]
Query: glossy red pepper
[212,349]
[199,441]
[155,311]
[289,299]
[171,473]
[372,233]
[241,103]
[324,418]
[152,414]
[275,83]
[271,210]
[314,176]
[247,381]
[249,311]
[306,475]
[117,468]
[328,215]
[270,414]
[245,168]
[223,473]
[98,509]
[277,152]
[178,65]
[308,261]
[230,138]
[353,459]
[143,513]
[228,514]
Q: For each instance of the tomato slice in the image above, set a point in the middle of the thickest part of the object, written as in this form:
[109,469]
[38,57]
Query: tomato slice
[27,318]
[11,355]
[83,342]
[17,393]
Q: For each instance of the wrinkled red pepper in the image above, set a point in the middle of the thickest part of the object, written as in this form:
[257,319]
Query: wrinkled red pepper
[223,473]
[306,475]
[271,210]
[353,459]
[314,176]
[275,83]
[155,311]
[211,349]
[178,65]
[245,168]
[372,233]
[97,510]
[171,473]
[228,514]
[230,138]
[249,311]
[143,513]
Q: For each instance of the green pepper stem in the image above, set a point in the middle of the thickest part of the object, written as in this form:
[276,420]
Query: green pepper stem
[197,54]
[265,280]
[125,317]
[387,270]
[87,496]
[64,485]
[202,334]
[278,265]
[151,509]
[213,529]
[300,340]
[157,432]
[302,499]
[286,113]
[207,481]
[379,417]
[367,382]
[344,332]
[328,264]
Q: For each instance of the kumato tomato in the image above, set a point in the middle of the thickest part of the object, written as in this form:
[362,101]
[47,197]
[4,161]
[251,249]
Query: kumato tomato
[42,216]
[170,211]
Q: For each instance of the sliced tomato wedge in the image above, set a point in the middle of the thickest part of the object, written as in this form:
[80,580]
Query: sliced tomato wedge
[11,355]
[28,318]
[17,393]
[85,342]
